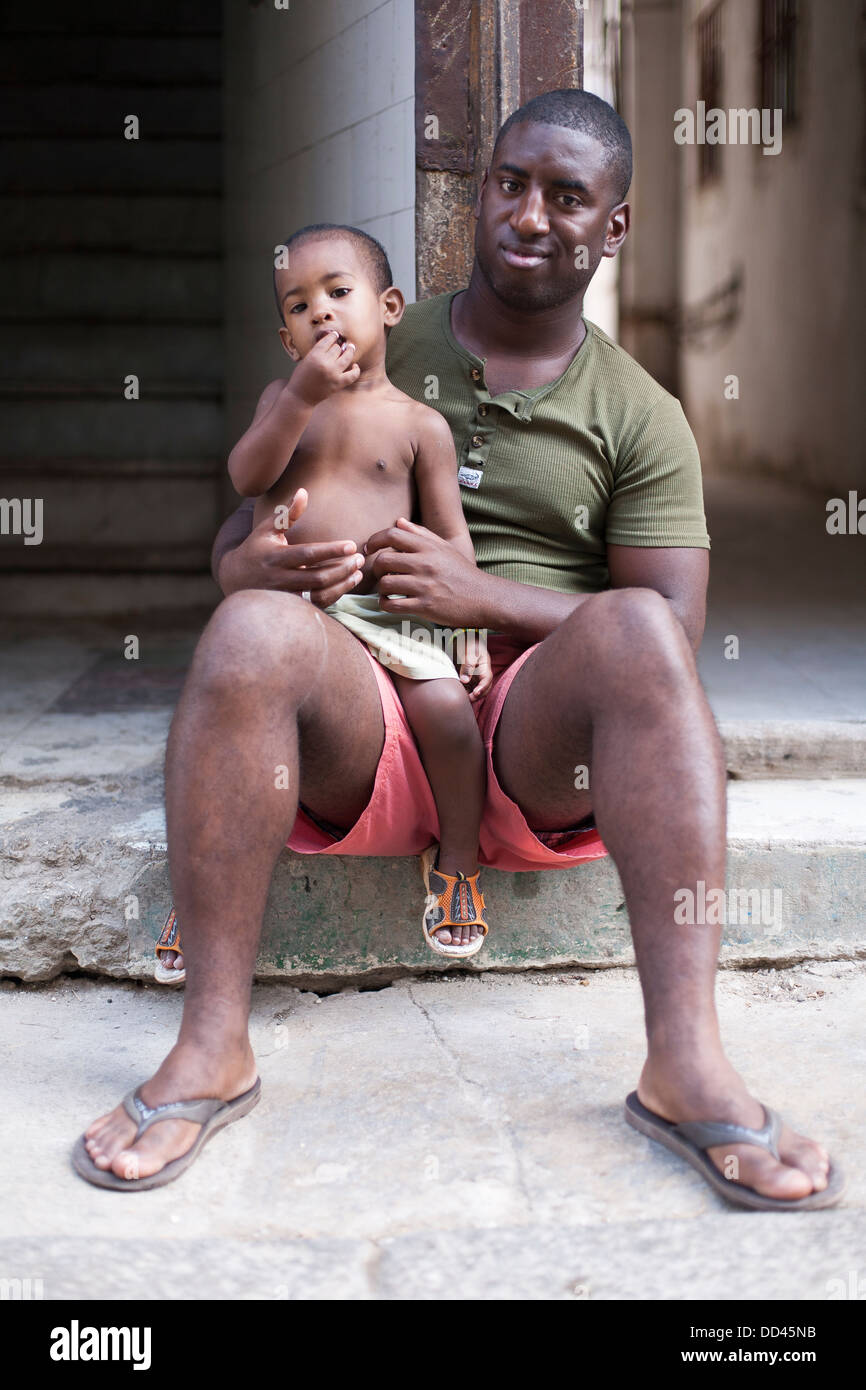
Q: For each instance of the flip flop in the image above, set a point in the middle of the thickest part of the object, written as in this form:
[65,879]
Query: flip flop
[211,1114]
[691,1139]
[446,894]
[169,940]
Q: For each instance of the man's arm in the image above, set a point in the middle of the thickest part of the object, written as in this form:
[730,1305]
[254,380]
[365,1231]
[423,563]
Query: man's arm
[437,582]
[678,573]
[233,531]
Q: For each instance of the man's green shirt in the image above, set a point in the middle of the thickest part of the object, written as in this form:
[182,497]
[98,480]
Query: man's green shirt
[550,477]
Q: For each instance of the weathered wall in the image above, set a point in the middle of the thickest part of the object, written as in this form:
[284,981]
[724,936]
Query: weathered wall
[793,225]
[652,90]
[319,127]
[477,61]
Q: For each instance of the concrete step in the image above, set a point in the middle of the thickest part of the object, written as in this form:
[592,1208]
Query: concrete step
[112,164]
[133,222]
[131,593]
[167,428]
[116,509]
[160,356]
[86,884]
[65,109]
[113,58]
[158,16]
[455,1132]
[100,287]
[757,748]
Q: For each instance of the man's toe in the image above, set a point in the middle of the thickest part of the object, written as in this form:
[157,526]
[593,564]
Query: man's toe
[806,1158]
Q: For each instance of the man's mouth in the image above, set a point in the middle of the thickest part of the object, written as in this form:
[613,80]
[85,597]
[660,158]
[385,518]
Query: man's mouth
[323,333]
[524,257]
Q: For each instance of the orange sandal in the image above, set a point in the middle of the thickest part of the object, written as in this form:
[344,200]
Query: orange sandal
[169,940]
[452,901]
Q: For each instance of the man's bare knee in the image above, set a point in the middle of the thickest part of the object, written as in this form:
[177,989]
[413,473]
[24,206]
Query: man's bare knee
[630,638]
[260,639]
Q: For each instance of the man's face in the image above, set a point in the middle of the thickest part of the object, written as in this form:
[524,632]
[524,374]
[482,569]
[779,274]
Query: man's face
[327,285]
[548,194]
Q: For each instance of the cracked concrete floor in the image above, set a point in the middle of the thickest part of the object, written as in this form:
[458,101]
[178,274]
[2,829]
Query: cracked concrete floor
[453,1132]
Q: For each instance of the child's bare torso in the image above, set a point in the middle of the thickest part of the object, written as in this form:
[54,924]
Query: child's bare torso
[355,459]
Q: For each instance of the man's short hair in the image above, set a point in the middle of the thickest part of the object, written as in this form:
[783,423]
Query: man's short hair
[578,110]
[372,252]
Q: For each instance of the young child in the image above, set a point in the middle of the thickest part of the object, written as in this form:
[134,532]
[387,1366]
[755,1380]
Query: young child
[344,454]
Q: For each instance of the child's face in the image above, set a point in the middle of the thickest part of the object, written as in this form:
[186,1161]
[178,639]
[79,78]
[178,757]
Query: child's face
[327,285]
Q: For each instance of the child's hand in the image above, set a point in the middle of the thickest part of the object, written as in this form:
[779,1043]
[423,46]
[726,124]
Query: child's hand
[476,671]
[328,367]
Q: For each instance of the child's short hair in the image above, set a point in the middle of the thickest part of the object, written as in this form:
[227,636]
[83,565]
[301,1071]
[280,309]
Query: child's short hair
[372,252]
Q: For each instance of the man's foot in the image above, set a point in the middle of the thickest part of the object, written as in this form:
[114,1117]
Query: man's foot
[186,1074]
[718,1093]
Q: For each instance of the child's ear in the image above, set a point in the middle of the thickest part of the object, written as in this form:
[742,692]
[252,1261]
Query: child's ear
[286,340]
[393,305]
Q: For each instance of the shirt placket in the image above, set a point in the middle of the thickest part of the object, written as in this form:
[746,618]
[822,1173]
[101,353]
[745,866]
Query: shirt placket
[484,422]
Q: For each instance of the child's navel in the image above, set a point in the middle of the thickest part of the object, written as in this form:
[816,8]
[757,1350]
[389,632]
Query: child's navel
[380,463]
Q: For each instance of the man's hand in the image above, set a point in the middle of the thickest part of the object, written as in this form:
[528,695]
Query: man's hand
[266,560]
[328,367]
[436,580]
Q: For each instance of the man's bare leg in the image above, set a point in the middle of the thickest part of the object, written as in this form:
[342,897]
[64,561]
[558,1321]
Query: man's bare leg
[620,693]
[270,672]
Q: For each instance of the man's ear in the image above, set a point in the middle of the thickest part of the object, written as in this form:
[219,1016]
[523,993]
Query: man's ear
[476,211]
[618,223]
[393,305]
[286,340]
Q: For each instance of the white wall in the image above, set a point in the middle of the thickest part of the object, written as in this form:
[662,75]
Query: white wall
[319,127]
[794,223]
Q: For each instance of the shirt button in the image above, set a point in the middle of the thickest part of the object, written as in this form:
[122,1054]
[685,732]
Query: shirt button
[475,374]
[483,409]
[477,441]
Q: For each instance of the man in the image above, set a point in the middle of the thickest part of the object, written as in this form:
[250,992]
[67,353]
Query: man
[582,493]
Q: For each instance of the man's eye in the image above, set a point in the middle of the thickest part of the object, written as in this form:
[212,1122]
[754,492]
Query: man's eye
[510,185]
[570,201]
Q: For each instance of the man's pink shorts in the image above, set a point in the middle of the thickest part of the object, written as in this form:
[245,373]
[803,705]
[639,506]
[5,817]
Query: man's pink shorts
[400,817]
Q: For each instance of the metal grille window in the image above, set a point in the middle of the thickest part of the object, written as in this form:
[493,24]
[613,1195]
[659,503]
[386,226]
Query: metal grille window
[777,57]
[709,32]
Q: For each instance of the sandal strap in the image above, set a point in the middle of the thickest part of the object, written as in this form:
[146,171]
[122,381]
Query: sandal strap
[705,1134]
[169,937]
[445,897]
[198,1111]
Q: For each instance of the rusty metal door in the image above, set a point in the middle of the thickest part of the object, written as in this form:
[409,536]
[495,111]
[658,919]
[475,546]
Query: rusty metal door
[476,61]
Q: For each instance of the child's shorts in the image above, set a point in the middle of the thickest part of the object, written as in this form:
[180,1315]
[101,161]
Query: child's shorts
[401,642]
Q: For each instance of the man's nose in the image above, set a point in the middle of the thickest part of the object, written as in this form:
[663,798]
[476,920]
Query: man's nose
[530,216]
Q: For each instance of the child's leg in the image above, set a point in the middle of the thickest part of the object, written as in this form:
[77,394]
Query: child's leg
[452,752]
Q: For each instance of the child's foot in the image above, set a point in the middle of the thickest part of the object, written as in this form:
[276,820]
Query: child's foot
[169,968]
[454,922]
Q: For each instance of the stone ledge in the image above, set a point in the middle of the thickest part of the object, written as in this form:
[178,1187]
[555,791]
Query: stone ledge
[74,864]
